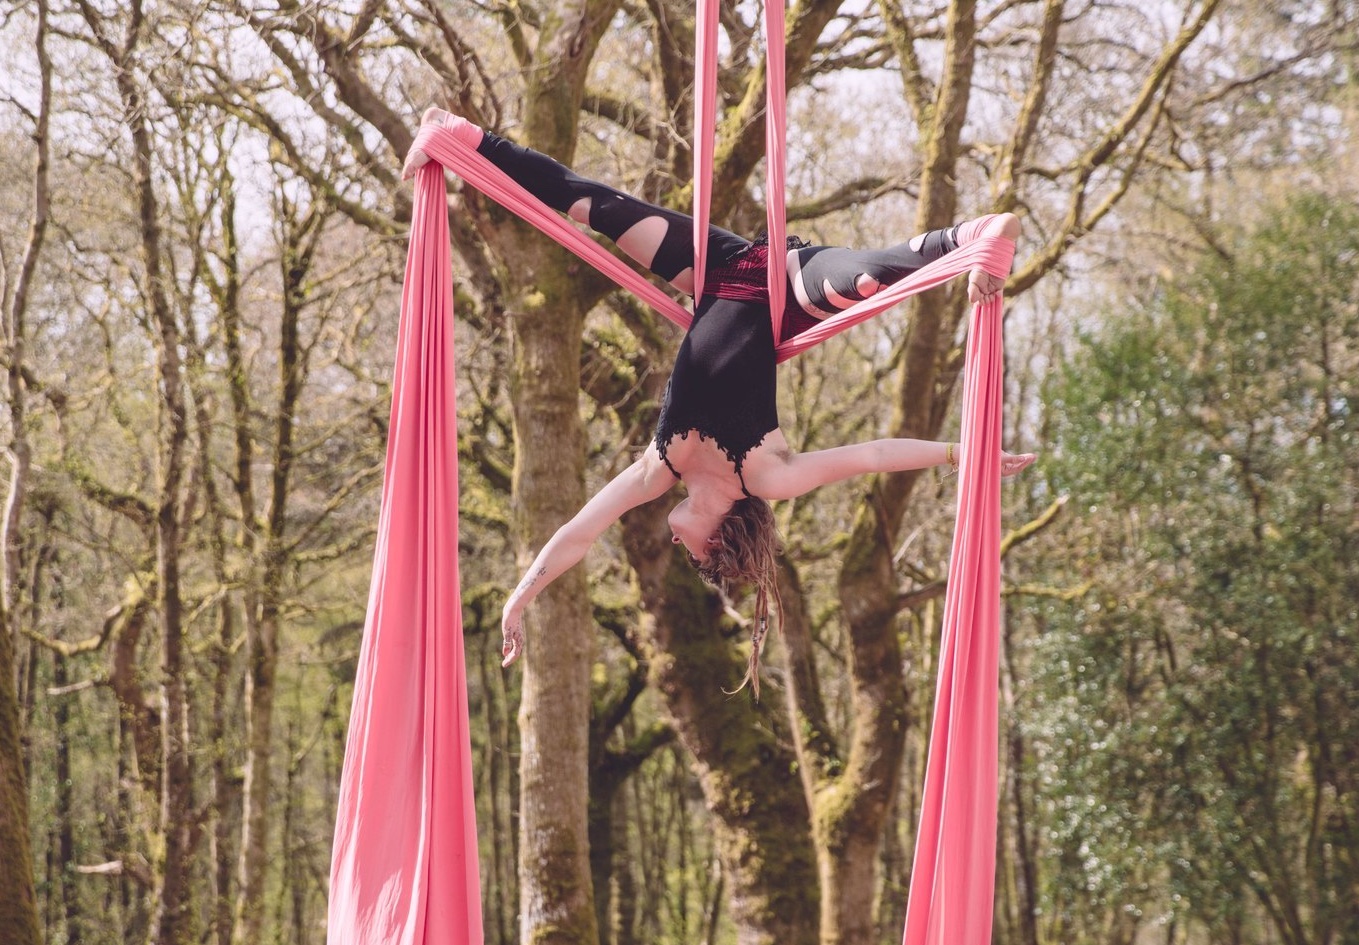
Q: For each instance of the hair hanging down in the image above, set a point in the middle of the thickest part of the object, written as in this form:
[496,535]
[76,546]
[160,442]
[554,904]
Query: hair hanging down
[748,543]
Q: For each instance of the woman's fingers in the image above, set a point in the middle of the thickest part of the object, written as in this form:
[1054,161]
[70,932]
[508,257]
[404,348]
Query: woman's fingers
[414,161]
[983,287]
[514,645]
[513,629]
[1013,464]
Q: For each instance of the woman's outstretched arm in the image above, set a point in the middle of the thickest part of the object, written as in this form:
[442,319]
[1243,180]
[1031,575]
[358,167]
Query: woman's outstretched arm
[803,472]
[644,480]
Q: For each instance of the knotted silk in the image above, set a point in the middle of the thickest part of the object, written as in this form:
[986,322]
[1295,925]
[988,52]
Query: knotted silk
[404,864]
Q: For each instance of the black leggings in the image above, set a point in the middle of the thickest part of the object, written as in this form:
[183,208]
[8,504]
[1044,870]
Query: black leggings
[823,279]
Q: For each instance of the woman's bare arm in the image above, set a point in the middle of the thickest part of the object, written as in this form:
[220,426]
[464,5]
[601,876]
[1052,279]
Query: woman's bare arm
[803,472]
[644,480]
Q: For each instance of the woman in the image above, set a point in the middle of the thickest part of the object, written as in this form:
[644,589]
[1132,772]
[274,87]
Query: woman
[722,386]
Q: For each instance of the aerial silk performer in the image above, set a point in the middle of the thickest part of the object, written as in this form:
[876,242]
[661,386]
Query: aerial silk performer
[755,304]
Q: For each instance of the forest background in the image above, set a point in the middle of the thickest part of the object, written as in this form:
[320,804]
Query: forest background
[202,234]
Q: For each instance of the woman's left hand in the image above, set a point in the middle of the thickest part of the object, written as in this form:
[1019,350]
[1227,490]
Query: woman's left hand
[1011,464]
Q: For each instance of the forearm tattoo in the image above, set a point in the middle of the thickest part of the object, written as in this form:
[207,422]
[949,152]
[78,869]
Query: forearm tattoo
[529,580]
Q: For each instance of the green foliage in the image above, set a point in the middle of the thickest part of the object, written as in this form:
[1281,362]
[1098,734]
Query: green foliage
[1194,718]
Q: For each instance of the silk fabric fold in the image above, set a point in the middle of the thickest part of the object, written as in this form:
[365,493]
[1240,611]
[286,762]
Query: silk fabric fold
[404,865]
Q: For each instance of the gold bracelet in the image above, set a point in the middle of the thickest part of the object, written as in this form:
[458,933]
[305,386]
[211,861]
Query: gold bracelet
[950,458]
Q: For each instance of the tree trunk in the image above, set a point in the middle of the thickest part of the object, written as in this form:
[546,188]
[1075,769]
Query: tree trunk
[1021,854]
[556,904]
[173,923]
[850,807]
[556,899]
[741,750]
[18,903]
[65,808]
[263,628]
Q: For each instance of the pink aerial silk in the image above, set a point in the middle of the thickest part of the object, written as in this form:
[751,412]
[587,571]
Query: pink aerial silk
[954,873]
[775,172]
[991,253]
[705,131]
[404,865]
[404,869]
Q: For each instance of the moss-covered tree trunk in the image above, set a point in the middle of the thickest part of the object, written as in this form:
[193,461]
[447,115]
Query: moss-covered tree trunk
[556,903]
[556,898]
[851,797]
[18,907]
[742,751]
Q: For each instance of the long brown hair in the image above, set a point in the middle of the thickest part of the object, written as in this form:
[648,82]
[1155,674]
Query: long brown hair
[747,545]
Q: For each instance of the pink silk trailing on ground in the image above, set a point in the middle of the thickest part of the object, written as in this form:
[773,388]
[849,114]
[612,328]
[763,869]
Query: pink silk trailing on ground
[404,866]
[953,876]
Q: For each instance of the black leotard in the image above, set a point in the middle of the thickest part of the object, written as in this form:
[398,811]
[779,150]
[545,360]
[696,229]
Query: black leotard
[723,382]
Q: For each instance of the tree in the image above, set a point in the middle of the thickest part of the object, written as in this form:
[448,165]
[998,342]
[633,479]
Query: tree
[1203,743]
[18,906]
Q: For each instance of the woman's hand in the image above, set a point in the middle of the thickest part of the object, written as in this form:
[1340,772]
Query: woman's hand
[512,627]
[417,159]
[1011,464]
[983,287]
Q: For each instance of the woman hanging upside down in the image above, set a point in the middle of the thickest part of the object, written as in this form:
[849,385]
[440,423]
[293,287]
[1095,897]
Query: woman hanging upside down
[722,386]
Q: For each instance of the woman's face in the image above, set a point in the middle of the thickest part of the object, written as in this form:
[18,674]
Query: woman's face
[694,530]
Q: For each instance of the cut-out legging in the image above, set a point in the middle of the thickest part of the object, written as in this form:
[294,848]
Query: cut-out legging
[822,279]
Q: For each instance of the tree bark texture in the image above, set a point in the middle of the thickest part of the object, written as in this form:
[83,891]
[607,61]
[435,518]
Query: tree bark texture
[556,904]
[18,903]
[556,899]
[851,787]
[18,906]
[179,827]
[742,751]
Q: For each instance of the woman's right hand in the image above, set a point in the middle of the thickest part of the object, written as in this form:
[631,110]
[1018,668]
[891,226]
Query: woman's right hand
[512,627]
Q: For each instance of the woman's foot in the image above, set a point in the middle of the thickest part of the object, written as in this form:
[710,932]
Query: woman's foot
[993,224]
[466,132]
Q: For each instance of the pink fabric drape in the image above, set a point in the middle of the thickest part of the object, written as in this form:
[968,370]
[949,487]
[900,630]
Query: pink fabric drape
[404,865]
[989,252]
[775,140]
[705,131]
[953,876]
